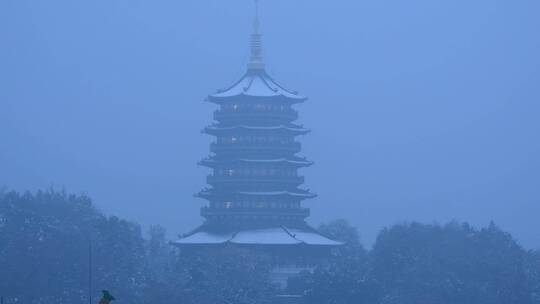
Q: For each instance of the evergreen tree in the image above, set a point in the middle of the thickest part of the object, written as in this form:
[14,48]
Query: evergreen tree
[44,251]
[418,263]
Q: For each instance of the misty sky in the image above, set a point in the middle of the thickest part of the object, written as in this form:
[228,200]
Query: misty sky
[421,110]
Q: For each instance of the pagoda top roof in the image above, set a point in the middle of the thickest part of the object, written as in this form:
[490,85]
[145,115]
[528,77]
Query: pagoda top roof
[256,83]
[267,236]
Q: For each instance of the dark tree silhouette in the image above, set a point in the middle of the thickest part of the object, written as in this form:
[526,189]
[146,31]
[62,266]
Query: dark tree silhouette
[44,240]
[454,263]
[418,263]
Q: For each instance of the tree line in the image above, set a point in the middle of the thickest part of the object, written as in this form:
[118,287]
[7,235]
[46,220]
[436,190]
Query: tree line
[46,238]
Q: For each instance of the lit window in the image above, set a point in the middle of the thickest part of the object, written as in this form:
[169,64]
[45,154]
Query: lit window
[234,139]
[228,205]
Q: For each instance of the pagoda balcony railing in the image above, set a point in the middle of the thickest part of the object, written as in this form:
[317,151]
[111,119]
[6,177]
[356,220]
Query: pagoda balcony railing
[255,114]
[300,212]
[293,147]
[271,179]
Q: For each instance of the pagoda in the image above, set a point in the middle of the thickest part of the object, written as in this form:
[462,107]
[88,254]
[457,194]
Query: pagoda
[255,195]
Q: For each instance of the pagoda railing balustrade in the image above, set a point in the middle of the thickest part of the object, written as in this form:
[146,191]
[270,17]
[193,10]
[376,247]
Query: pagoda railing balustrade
[293,147]
[301,212]
[212,179]
[255,171]
[255,113]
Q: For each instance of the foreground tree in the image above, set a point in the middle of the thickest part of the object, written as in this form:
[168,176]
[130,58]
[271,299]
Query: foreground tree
[44,253]
[533,273]
[418,263]
[218,275]
[45,237]
[345,278]
[44,249]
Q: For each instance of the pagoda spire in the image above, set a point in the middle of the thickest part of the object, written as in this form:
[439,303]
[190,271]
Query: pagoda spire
[256,60]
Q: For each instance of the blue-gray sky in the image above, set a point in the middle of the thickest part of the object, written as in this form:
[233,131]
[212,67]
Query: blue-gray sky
[421,110]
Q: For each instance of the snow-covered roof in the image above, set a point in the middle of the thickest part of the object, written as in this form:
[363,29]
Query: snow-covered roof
[293,161]
[256,83]
[278,193]
[205,238]
[268,236]
[294,128]
[300,193]
[278,160]
[271,236]
[312,238]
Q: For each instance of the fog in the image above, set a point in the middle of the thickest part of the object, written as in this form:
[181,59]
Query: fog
[420,110]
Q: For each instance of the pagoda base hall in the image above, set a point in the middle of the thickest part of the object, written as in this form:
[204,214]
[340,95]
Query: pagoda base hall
[255,198]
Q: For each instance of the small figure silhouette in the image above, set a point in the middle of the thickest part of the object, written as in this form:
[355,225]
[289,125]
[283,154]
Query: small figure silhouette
[107,297]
